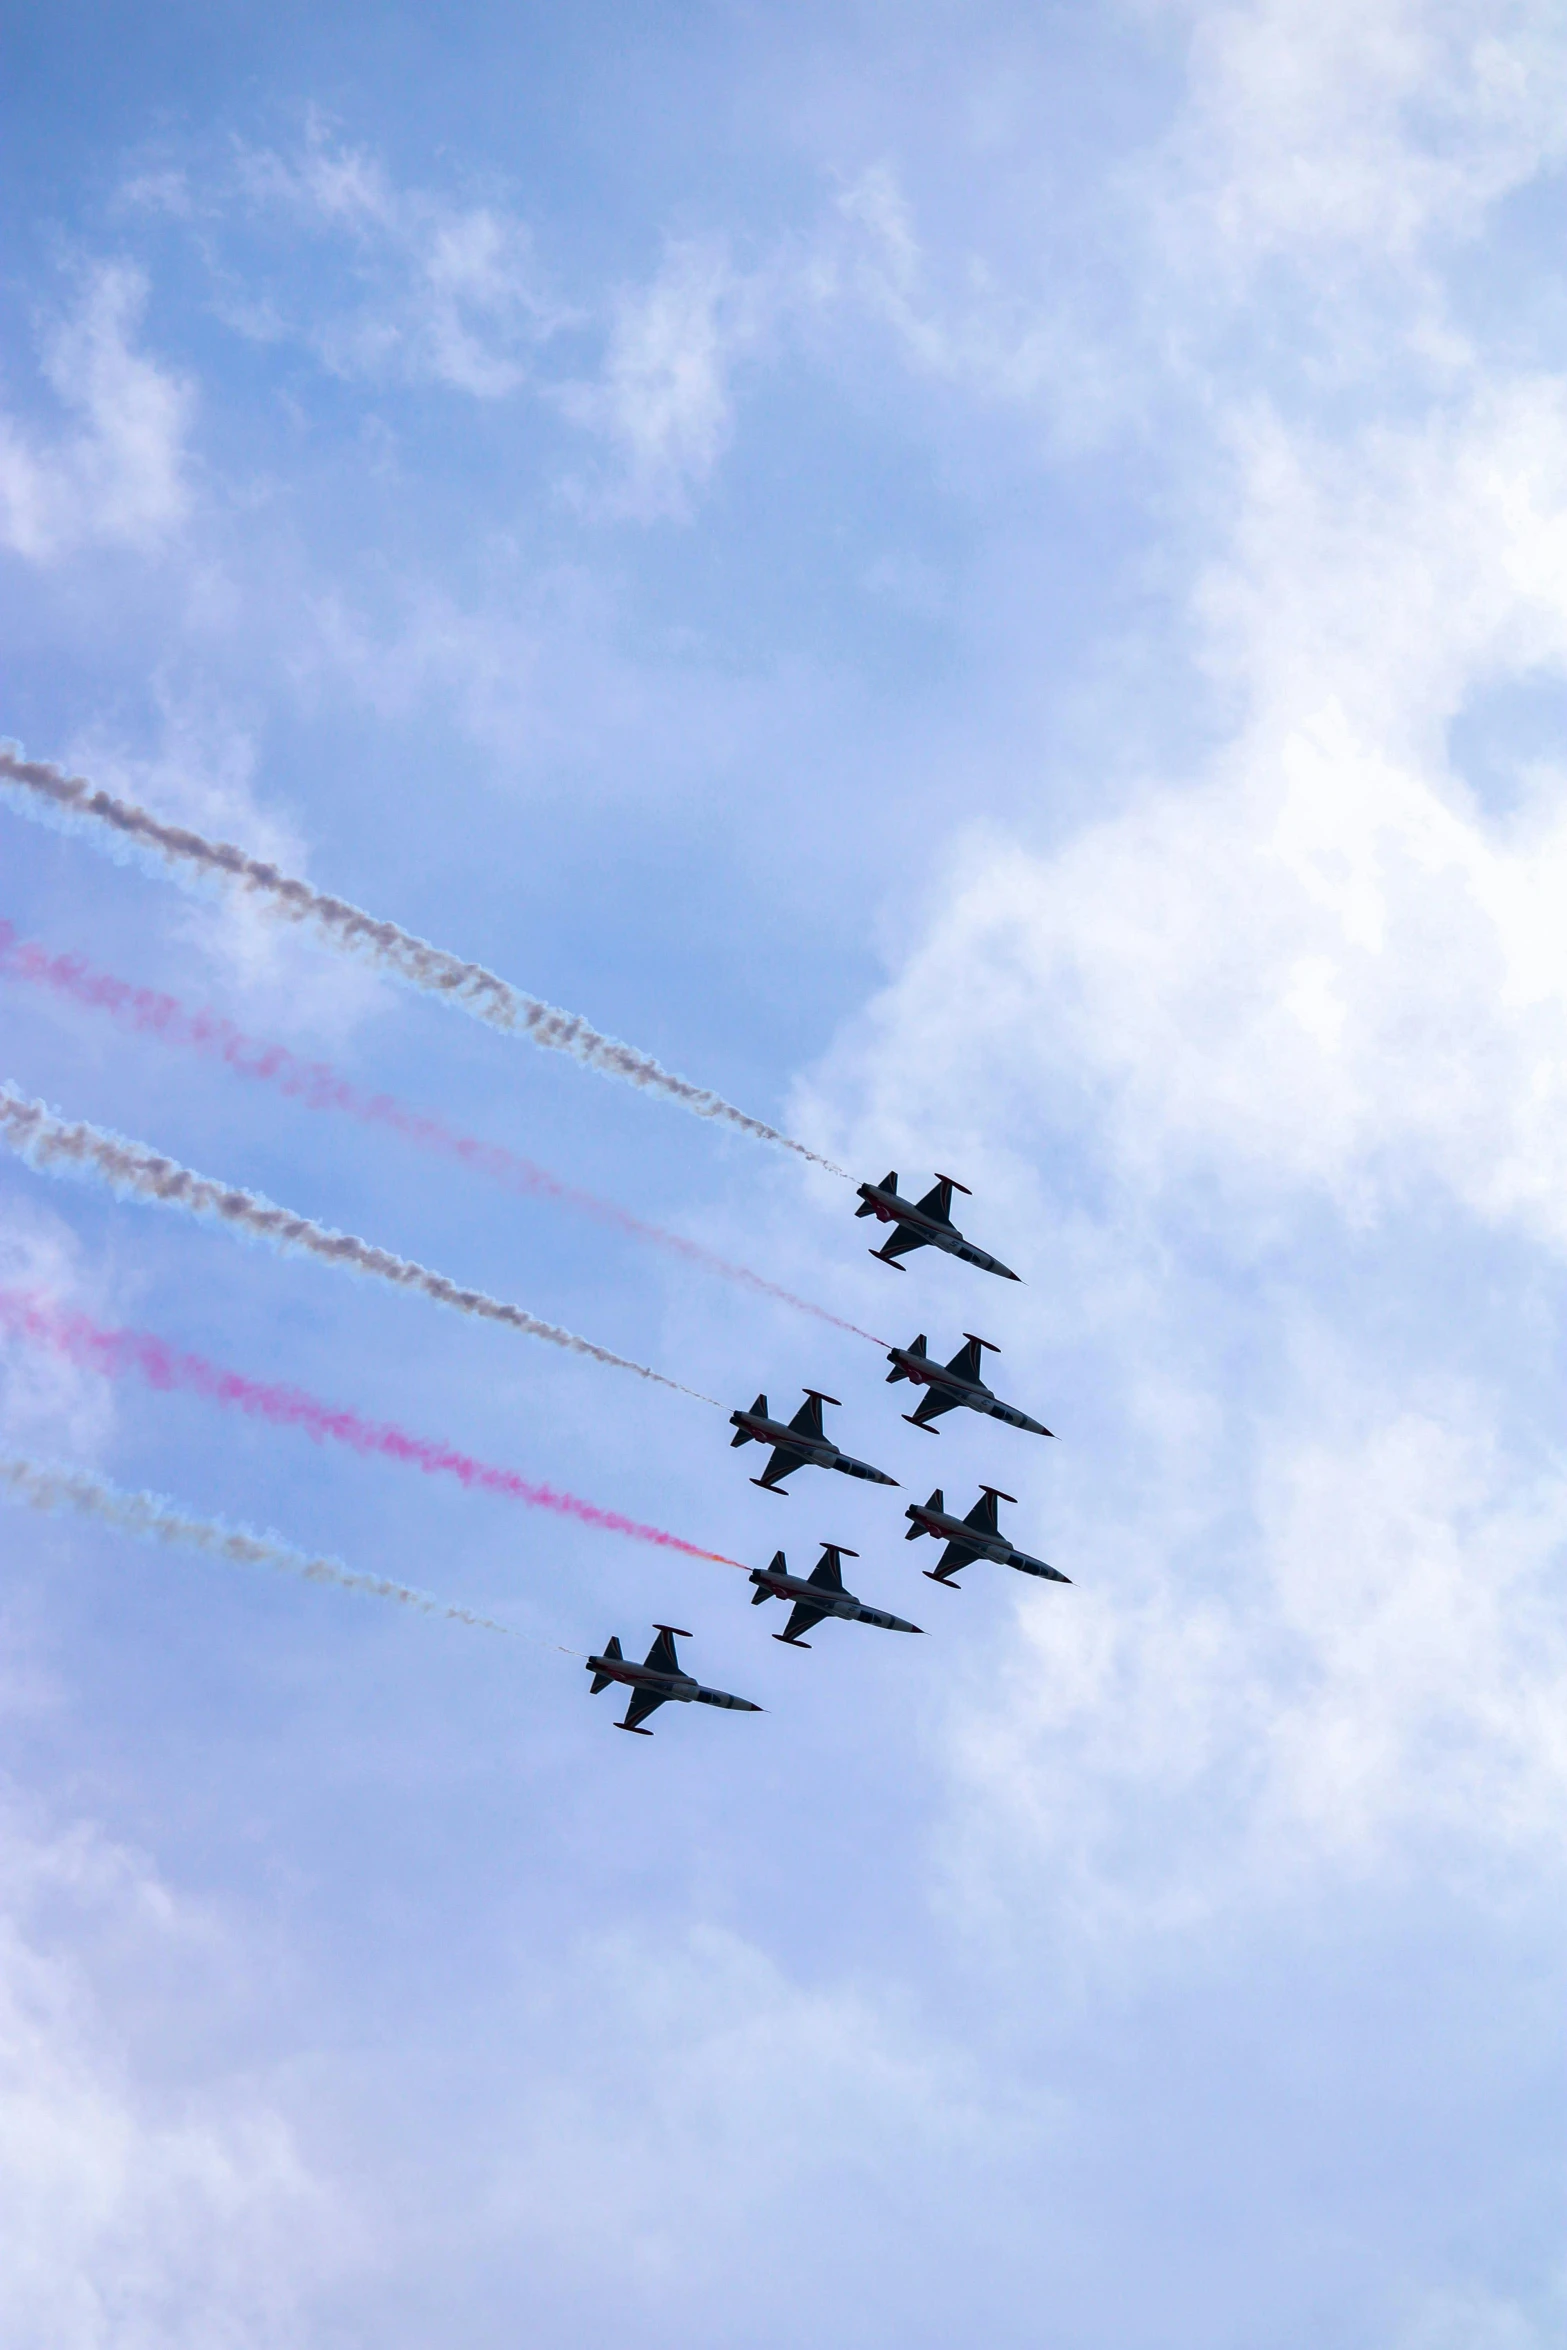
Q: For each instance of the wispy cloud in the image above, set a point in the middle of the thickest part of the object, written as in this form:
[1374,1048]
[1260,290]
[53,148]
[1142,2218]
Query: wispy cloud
[117,474]
[663,399]
[449,293]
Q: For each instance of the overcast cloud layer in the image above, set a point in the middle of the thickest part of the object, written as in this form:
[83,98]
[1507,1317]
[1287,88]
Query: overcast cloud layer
[994,589]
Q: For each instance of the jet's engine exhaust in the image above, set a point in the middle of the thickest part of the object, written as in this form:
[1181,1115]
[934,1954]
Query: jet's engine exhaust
[117,1354]
[152,1518]
[44,792]
[129,1168]
[151,1012]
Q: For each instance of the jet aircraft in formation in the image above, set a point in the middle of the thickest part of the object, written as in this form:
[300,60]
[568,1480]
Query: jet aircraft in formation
[947,1385]
[656,1680]
[819,1594]
[802,1443]
[925,1223]
[978,1536]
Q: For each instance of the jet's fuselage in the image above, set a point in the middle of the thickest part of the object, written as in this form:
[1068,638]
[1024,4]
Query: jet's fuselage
[680,1686]
[831,1603]
[922,1372]
[818,1451]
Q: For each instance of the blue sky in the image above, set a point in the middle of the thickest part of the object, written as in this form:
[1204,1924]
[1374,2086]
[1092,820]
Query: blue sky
[989,583]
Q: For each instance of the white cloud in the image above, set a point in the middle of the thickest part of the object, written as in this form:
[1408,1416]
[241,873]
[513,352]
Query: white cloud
[453,294]
[1322,965]
[118,478]
[1315,1626]
[134,2215]
[747,2089]
[664,398]
[1361,129]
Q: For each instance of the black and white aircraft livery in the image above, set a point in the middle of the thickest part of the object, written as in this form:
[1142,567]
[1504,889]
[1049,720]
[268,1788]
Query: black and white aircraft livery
[817,1595]
[799,1445]
[925,1223]
[975,1537]
[947,1385]
[656,1680]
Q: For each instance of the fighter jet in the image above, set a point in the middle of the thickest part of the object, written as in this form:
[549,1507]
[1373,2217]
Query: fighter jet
[657,1679]
[822,1595]
[947,1385]
[926,1223]
[800,1444]
[974,1537]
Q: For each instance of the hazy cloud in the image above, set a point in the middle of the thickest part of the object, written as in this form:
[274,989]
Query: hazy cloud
[117,475]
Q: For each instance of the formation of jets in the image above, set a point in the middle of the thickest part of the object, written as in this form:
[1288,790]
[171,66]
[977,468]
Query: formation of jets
[803,1443]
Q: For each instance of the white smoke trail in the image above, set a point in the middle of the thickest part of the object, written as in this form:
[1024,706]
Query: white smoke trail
[48,1143]
[156,1520]
[39,789]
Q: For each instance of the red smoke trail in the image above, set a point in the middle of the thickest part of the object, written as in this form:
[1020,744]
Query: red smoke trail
[116,1353]
[320,1087]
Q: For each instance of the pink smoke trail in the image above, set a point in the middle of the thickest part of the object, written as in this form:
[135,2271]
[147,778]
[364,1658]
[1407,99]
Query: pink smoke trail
[118,1354]
[320,1087]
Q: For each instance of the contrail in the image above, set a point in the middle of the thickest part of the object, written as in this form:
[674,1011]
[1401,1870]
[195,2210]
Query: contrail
[47,1142]
[157,1520]
[117,1354]
[40,790]
[320,1087]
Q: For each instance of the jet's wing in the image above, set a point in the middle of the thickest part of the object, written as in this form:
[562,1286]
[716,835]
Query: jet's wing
[956,1554]
[643,1703]
[802,1617]
[931,1406]
[900,1243]
[966,1362]
[784,1462]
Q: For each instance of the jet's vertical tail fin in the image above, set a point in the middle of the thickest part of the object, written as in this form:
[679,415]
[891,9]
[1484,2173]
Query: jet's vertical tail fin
[937,1501]
[807,1420]
[661,1656]
[743,1435]
[779,1566]
[827,1575]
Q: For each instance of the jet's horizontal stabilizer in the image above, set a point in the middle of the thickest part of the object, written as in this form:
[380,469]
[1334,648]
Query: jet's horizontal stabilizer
[598,1682]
